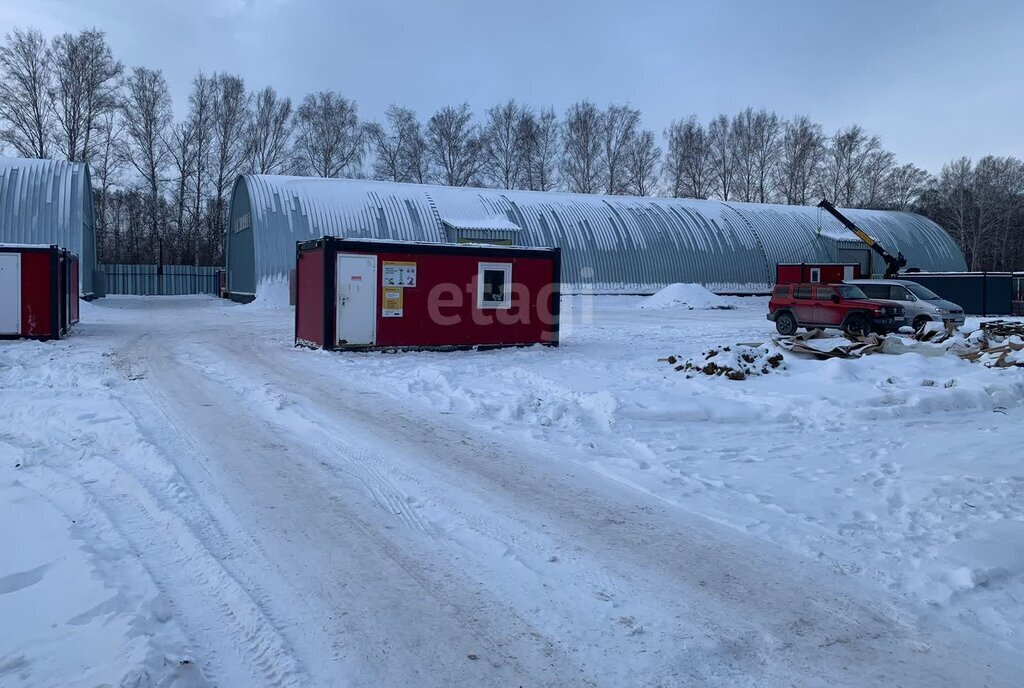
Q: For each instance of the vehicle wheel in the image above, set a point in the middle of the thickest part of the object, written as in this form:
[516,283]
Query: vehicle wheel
[920,321]
[785,324]
[857,325]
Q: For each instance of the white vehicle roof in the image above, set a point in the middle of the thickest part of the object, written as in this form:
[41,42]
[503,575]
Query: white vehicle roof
[879,281]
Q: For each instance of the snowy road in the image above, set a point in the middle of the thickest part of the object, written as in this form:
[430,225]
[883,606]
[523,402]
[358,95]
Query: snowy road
[301,529]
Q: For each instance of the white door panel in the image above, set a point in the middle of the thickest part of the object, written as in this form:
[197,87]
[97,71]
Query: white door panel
[357,299]
[10,293]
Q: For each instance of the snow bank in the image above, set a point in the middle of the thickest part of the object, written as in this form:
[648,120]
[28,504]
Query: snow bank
[876,466]
[273,293]
[77,606]
[690,296]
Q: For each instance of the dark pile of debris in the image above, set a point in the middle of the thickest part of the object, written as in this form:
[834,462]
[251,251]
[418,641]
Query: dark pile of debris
[996,344]
[733,362]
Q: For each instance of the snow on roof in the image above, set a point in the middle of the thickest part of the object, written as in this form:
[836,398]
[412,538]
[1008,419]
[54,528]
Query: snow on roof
[605,240]
[490,223]
[49,202]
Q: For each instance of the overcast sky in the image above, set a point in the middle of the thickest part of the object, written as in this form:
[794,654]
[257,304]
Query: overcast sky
[934,80]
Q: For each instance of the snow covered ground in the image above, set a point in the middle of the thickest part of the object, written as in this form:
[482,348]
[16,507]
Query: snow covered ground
[189,500]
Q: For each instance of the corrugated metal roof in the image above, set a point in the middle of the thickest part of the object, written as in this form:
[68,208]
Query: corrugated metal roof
[49,202]
[614,243]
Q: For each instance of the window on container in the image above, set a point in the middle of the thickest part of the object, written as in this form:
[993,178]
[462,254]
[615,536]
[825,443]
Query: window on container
[815,275]
[802,293]
[494,285]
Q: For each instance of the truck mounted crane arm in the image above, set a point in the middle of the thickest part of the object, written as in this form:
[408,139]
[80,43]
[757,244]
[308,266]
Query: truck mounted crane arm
[893,264]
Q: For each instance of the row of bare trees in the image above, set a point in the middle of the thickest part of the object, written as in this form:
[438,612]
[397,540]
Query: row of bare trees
[982,205]
[163,183]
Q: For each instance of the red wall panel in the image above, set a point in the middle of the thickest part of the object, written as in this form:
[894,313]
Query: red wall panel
[37,294]
[831,273]
[74,291]
[309,294]
[442,308]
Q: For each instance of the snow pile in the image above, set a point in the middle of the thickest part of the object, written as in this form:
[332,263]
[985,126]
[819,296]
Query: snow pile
[734,362]
[274,293]
[690,296]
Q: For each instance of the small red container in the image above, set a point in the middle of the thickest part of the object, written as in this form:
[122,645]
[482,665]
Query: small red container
[364,294]
[38,291]
[816,273]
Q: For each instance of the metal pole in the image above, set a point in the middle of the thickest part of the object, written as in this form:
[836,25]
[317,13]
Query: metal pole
[984,293]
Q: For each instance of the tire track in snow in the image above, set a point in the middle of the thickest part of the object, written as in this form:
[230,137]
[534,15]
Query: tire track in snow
[747,626]
[825,622]
[447,516]
[174,535]
[437,599]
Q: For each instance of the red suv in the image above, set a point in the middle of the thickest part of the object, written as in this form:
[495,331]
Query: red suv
[839,306]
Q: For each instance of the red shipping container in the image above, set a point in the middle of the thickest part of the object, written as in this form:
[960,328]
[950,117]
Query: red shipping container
[365,294]
[816,273]
[38,291]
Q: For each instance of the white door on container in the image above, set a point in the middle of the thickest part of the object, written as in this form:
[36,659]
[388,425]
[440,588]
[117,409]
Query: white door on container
[357,299]
[10,293]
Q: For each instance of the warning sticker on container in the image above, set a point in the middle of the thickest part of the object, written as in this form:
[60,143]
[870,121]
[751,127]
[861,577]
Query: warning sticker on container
[398,273]
[392,302]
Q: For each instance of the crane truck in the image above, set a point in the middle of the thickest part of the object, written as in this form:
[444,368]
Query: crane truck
[893,264]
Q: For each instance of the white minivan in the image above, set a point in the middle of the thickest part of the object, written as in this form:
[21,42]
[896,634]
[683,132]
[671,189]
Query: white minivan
[921,305]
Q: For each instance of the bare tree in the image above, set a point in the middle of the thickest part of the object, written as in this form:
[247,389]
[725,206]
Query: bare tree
[982,206]
[905,185]
[643,164]
[269,133]
[200,123]
[766,135]
[391,145]
[878,165]
[688,162]
[583,161]
[744,155]
[541,147]
[330,141]
[106,164]
[86,83]
[843,172]
[26,96]
[182,151]
[230,120]
[799,158]
[953,205]
[503,144]
[620,126]
[146,111]
[998,191]
[417,162]
[723,163]
[455,146]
